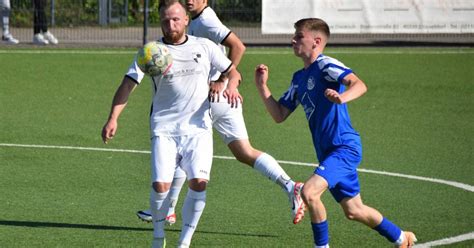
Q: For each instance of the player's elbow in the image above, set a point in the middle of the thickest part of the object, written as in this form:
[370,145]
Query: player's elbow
[364,88]
[280,113]
[279,118]
[360,87]
[242,47]
[239,47]
[278,121]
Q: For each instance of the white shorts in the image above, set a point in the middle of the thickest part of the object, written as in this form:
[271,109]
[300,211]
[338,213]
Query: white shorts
[228,122]
[193,153]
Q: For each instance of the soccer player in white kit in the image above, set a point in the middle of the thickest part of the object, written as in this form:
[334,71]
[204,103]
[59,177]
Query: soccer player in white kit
[228,121]
[180,123]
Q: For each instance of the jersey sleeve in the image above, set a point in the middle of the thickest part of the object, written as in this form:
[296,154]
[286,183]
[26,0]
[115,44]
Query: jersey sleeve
[289,99]
[215,29]
[217,58]
[333,70]
[135,73]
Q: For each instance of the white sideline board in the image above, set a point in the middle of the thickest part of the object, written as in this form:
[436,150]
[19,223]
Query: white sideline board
[372,16]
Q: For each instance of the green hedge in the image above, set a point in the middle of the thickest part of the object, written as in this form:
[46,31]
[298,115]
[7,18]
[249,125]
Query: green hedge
[70,13]
[81,12]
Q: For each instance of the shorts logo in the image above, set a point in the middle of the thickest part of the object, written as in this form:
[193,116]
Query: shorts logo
[321,167]
[203,172]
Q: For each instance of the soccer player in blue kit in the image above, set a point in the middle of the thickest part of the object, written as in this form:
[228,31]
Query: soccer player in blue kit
[323,87]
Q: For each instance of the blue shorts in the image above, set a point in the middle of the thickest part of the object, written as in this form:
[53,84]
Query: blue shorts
[340,171]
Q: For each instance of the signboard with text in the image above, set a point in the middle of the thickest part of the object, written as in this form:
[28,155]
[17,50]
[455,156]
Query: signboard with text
[372,16]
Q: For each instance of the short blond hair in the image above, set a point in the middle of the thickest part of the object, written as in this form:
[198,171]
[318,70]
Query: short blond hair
[164,4]
[313,24]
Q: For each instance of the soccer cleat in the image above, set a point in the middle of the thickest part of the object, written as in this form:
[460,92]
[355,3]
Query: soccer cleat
[39,39]
[145,215]
[171,219]
[8,38]
[298,206]
[408,241]
[158,243]
[50,38]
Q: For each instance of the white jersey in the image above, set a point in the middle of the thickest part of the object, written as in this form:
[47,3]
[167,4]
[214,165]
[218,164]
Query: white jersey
[180,100]
[208,25]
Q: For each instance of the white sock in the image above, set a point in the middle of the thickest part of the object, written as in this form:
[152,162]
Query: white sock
[158,203]
[5,25]
[192,210]
[175,189]
[5,14]
[270,168]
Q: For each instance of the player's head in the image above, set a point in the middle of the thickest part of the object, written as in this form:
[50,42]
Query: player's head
[311,34]
[173,20]
[195,6]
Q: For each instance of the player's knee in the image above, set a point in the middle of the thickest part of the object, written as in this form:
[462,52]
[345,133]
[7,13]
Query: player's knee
[197,184]
[310,196]
[160,187]
[352,214]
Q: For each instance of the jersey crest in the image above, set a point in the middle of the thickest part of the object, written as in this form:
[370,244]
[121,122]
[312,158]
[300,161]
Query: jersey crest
[311,82]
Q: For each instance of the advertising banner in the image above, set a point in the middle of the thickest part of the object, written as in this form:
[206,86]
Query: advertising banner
[371,16]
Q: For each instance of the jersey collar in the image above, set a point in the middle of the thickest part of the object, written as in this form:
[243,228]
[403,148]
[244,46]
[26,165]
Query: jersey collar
[186,40]
[197,16]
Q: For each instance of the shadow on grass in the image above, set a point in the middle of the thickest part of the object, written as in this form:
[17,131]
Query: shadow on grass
[116,228]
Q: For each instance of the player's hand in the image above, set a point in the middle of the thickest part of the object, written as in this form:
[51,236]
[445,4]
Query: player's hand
[233,97]
[261,74]
[215,88]
[333,96]
[108,131]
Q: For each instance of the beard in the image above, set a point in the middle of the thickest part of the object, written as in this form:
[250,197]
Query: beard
[173,36]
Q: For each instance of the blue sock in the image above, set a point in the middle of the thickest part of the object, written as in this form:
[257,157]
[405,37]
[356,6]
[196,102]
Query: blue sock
[388,230]
[320,233]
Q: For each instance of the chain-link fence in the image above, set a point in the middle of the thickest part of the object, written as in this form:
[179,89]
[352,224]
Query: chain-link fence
[120,23]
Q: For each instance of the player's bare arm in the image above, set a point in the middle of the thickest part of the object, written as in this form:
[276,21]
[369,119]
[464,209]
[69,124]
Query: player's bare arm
[278,112]
[355,89]
[118,105]
[236,51]
[231,93]
[236,48]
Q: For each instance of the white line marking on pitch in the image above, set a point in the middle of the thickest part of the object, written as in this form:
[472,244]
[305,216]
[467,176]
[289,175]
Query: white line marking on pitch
[445,241]
[434,180]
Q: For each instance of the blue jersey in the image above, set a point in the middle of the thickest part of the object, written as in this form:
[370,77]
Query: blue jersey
[329,122]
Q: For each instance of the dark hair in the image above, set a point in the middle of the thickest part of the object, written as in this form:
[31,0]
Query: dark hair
[313,24]
[166,3]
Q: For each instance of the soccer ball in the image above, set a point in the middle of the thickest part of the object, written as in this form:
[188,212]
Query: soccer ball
[154,59]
